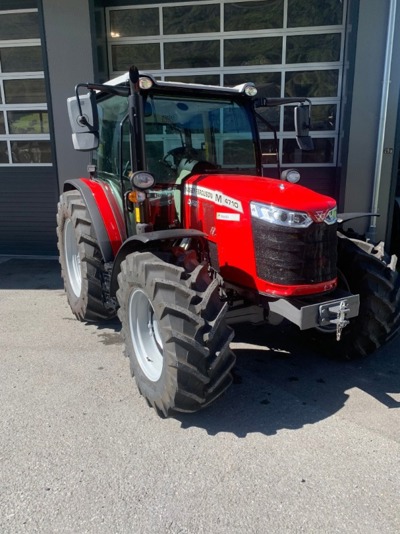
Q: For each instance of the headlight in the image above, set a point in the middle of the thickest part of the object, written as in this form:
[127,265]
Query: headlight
[331,218]
[142,180]
[145,83]
[250,89]
[279,216]
[290,175]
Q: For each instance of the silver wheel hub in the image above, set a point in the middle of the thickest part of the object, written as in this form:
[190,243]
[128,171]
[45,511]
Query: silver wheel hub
[145,335]
[72,258]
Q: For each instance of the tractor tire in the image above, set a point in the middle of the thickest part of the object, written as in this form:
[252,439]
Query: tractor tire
[175,333]
[82,266]
[379,315]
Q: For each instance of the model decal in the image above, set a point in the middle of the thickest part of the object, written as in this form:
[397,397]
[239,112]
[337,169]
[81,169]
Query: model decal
[228,216]
[213,196]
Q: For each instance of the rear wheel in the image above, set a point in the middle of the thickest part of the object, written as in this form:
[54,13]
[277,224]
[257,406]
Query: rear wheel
[175,333]
[379,316]
[82,266]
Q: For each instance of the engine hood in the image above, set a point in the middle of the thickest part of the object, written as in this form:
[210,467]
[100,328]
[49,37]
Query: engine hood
[235,191]
[253,253]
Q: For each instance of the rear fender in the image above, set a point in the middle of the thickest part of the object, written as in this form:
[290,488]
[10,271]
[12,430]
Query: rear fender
[105,214]
[148,241]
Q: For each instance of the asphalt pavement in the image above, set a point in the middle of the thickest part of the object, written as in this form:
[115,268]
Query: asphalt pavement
[299,443]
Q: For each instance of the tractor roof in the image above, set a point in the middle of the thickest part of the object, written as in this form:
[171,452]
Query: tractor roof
[246,89]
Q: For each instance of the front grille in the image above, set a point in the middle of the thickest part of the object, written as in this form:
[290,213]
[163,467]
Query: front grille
[295,256]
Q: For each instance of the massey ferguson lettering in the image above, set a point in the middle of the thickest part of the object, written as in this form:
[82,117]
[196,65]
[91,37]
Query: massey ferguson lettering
[214,196]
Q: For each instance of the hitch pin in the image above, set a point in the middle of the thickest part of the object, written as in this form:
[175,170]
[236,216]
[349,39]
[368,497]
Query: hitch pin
[341,320]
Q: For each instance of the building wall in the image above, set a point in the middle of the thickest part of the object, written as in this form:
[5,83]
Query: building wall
[67,28]
[74,39]
[391,148]
[366,118]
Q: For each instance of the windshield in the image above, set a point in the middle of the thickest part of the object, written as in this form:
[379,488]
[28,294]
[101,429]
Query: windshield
[186,135]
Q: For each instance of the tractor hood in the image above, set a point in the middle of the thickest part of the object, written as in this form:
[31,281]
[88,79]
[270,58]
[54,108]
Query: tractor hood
[235,192]
[275,237]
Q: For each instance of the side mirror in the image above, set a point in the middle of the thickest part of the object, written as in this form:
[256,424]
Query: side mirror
[302,123]
[84,121]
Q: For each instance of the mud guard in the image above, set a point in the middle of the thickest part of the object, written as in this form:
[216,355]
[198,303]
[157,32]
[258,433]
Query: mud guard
[104,214]
[141,242]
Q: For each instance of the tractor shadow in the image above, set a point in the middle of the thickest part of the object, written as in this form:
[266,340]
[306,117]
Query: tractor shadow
[280,383]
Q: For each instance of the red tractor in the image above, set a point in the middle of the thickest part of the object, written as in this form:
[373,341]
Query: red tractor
[177,231]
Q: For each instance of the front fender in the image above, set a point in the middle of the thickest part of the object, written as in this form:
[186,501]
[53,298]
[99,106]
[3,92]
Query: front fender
[148,241]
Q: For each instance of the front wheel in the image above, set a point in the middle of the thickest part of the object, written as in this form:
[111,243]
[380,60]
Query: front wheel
[175,333]
[379,316]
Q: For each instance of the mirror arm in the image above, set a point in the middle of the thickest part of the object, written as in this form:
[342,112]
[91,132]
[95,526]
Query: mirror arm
[82,119]
[274,101]
[276,142]
[102,88]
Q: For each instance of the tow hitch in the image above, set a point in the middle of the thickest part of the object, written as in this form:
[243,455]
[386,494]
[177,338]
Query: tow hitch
[328,316]
[335,314]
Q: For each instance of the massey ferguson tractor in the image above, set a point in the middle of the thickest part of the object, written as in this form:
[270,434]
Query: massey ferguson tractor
[177,231]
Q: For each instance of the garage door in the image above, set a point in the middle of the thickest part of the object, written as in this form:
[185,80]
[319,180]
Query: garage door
[286,47]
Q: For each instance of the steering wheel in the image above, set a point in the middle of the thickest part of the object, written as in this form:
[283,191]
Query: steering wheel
[174,156]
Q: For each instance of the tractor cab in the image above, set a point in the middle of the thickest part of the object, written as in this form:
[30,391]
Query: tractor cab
[169,130]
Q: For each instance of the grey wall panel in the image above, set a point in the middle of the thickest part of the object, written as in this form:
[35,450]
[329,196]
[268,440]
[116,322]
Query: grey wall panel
[367,87]
[70,61]
[365,117]
[389,168]
[28,201]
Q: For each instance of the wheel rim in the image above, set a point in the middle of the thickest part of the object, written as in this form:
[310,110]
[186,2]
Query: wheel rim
[72,258]
[145,335]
